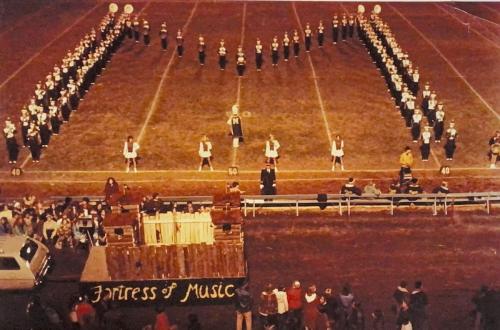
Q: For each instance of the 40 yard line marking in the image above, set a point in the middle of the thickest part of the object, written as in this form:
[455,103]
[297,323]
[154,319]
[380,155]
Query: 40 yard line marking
[156,98]
[234,153]
[315,79]
[423,36]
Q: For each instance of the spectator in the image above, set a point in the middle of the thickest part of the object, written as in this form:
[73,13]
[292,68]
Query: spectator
[282,307]
[401,296]
[414,187]
[5,227]
[403,319]
[194,324]
[378,320]
[371,189]
[346,299]
[350,188]
[111,189]
[406,159]
[85,313]
[418,305]
[443,188]
[49,229]
[64,234]
[329,306]
[243,306]
[37,317]
[161,322]
[294,296]
[494,152]
[113,318]
[311,309]
[235,188]
[268,307]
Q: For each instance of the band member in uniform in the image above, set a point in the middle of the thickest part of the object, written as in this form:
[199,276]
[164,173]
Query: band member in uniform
[201,50]
[145,32]
[258,55]
[164,35]
[344,27]
[268,181]
[335,29]
[55,121]
[431,108]
[425,148]
[43,128]
[286,47]
[240,61]
[130,153]
[426,94]
[234,123]
[415,78]
[222,52]
[34,142]
[296,43]
[321,34]
[439,124]
[205,152]
[451,140]
[308,37]
[274,51]
[271,151]
[494,149]
[338,152]
[10,139]
[24,120]
[180,43]
[135,27]
[128,27]
[351,26]
[415,125]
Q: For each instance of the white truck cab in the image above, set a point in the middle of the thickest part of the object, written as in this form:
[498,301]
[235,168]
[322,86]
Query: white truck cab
[24,262]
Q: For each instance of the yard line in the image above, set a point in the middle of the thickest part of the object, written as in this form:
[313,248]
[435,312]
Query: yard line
[490,9]
[234,154]
[486,104]
[470,27]
[315,79]
[13,75]
[156,98]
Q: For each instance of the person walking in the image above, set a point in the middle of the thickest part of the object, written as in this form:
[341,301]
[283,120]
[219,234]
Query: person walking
[243,306]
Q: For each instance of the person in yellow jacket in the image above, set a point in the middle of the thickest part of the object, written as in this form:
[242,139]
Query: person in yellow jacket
[406,162]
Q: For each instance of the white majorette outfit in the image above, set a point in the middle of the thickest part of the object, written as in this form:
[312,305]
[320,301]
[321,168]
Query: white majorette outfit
[337,152]
[130,153]
[271,151]
[205,152]
[234,123]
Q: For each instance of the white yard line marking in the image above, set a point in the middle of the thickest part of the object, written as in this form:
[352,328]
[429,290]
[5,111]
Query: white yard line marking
[315,79]
[490,9]
[156,98]
[433,154]
[494,44]
[13,75]
[486,104]
[234,153]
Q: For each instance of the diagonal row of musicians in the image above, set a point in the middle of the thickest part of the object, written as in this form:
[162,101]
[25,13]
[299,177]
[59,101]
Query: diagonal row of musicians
[59,95]
[402,80]
[342,28]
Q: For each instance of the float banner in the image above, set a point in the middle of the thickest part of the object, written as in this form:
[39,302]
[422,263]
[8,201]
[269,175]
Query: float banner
[179,292]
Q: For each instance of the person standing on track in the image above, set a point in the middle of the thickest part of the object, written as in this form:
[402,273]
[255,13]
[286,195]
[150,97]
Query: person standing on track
[286,47]
[222,52]
[274,51]
[321,34]
[130,153]
[337,152]
[164,36]
[10,139]
[258,55]
[240,61]
[271,151]
[335,29]
[205,152]
[180,43]
[451,140]
[296,43]
[308,37]
[201,50]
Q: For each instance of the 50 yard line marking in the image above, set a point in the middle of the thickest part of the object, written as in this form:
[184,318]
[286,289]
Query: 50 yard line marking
[315,79]
[156,98]
[234,154]
[423,36]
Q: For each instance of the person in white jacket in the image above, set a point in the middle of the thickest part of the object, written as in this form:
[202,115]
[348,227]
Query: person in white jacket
[338,152]
[271,151]
[205,152]
[130,153]
[282,299]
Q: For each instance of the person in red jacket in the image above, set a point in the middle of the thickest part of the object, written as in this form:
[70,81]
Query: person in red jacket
[295,296]
[311,310]
[161,322]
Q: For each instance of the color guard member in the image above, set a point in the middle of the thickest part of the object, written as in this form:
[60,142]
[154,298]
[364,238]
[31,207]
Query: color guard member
[180,43]
[164,35]
[240,61]
[425,148]
[296,43]
[258,55]
[201,50]
[321,34]
[274,51]
[222,52]
[335,29]
[234,123]
[286,47]
[205,152]
[271,151]
[145,32]
[439,124]
[130,153]
[308,37]
[10,139]
[337,152]
[451,140]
